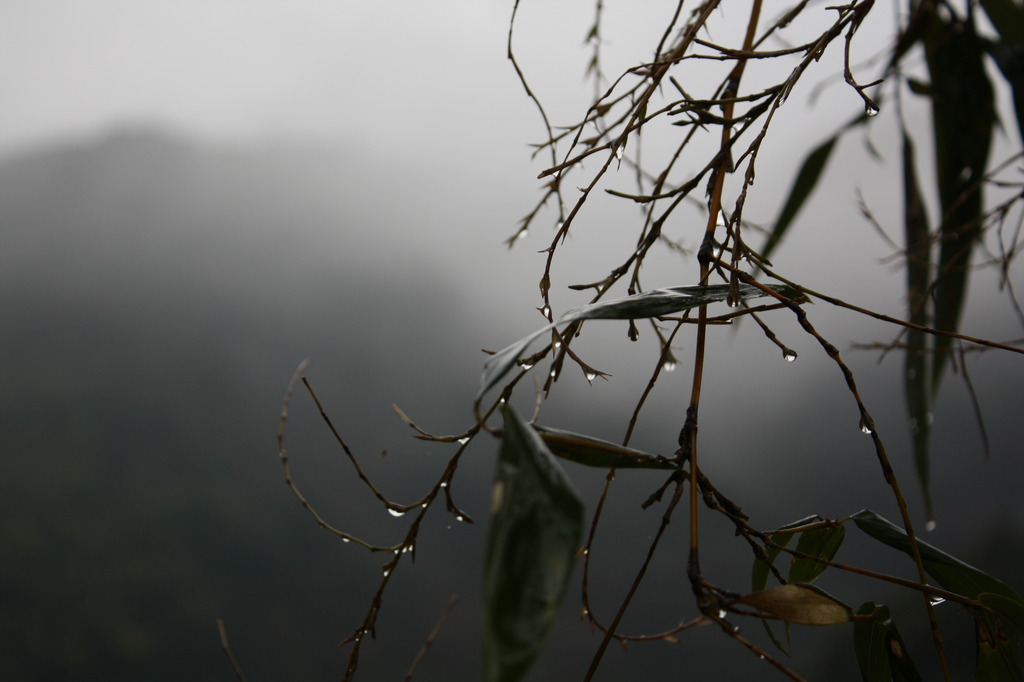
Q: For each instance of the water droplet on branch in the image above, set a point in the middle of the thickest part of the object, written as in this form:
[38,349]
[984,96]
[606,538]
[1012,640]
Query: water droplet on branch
[789,355]
[396,512]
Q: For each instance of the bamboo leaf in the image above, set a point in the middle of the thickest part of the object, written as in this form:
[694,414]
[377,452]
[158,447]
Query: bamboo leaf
[602,454]
[799,604]
[963,118]
[654,303]
[536,529]
[953,574]
[1007,16]
[999,631]
[881,652]
[803,186]
[822,542]
[917,238]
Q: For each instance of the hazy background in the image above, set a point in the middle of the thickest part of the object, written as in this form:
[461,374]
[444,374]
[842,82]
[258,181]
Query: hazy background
[196,196]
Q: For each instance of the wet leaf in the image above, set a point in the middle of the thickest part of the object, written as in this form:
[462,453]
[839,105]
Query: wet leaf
[599,453]
[536,529]
[881,652]
[951,573]
[654,303]
[799,604]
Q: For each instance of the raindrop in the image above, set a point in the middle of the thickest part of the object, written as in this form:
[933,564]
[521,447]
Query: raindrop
[558,344]
[721,613]
[669,365]
[870,109]
[527,366]
[463,440]
[444,484]
[346,540]
[789,355]
[935,601]
[930,526]
[865,426]
[546,311]
[618,152]
[553,373]
[584,612]
[460,518]
[734,304]
[633,332]
[396,512]
[406,549]
[386,571]
[591,376]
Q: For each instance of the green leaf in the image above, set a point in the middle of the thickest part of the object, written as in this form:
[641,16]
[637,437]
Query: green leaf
[822,542]
[654,303]
[953,574]
[963,118]
[602,454]
[916,386]
[799,604]
[999,630]
[804,184]
[536,529]
[881,652]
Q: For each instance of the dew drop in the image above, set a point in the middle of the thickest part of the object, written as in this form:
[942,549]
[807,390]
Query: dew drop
[558,344]
[930,526]
[444,484]
[669,365]
[789,355]
[870,109]
[546,311]
[460,518]
[618,152]
[591,376]
[346,540]
[386,571]
[865,427]
[553,373]
[396,512]
[721,613]
[935,601]
[733,303]
[527,366]
[463,440]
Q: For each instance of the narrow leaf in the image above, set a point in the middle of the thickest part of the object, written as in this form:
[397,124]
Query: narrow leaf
[536,529]
[822,542]
[881,652]
[916,386]
[803,185]
[654,303]
[999,630]
[800,604]
[963,118]
[948,571]
[603,454]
